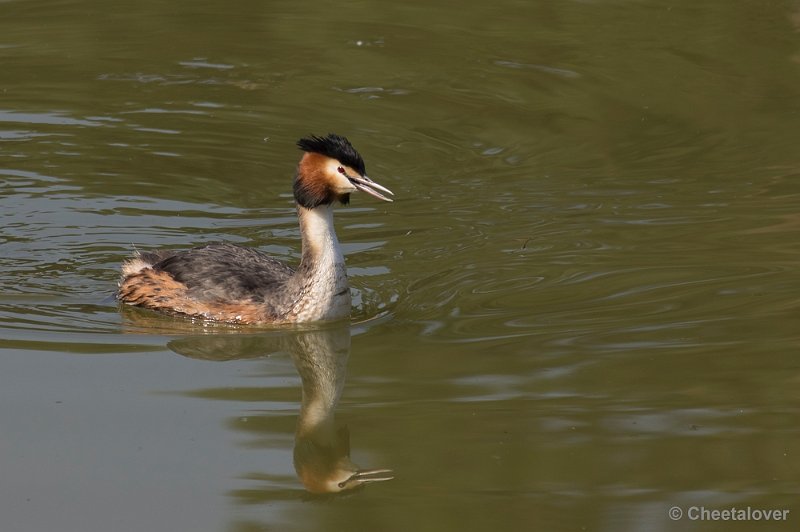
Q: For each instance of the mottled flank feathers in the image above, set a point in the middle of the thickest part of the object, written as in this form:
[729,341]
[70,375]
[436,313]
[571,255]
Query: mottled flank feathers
[221,282]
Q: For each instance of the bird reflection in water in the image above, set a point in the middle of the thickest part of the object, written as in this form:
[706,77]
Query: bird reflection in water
[321,449]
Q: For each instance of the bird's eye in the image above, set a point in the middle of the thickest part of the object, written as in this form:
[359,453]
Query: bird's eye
[340,170]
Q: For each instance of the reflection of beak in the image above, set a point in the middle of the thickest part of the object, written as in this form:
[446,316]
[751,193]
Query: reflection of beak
[369,186]
[367,475]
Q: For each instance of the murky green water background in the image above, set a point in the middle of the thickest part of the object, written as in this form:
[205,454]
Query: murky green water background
[581,311]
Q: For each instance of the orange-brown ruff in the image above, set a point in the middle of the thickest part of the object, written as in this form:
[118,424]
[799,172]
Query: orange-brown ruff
[229,283]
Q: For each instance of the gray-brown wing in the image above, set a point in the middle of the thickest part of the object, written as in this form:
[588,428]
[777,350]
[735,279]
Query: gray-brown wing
[226,273]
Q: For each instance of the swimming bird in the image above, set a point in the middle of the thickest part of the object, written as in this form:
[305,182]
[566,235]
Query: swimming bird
[229,283]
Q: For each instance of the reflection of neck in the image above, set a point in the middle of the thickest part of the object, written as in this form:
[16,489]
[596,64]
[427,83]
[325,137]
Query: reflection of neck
[321,277]
[321,360]
[317,410]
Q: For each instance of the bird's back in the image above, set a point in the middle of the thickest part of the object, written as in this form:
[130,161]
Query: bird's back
[220,281]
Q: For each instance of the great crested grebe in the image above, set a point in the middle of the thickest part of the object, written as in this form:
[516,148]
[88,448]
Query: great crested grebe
[229,283]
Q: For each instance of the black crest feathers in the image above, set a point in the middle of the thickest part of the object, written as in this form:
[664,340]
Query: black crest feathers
[335,147]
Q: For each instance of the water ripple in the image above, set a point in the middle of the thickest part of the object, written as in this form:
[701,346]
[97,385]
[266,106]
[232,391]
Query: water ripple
[54,118]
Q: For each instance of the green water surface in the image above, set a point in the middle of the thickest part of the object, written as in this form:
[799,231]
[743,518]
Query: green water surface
[581,310]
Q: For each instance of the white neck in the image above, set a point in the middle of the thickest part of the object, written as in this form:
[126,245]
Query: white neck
[322,274]
[319,236]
